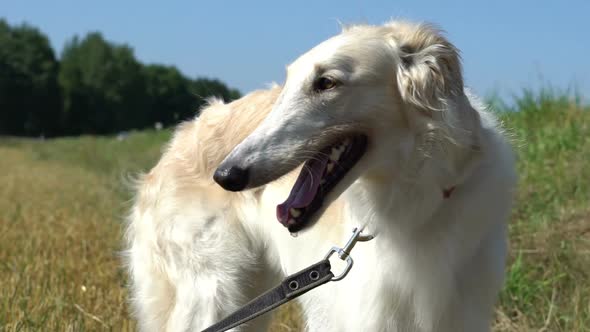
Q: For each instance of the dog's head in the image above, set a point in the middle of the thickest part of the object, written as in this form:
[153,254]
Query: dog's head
[364,100]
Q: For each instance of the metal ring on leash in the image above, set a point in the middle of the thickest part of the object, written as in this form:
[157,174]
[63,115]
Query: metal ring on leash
[344,252]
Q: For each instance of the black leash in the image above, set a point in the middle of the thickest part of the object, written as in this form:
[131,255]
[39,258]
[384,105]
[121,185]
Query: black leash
[293,286]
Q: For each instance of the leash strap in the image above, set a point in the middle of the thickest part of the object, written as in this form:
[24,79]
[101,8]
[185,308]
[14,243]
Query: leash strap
[293,286]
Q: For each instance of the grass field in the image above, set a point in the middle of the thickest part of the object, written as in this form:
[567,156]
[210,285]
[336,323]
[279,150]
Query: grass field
[62,202]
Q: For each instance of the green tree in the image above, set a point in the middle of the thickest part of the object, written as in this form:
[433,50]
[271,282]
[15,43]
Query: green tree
[103,86]
[98,88]
[206,87]
[29,94]
[168,93]
[174,98]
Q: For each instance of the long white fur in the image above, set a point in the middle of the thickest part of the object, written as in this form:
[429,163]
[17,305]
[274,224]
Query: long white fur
[196,252]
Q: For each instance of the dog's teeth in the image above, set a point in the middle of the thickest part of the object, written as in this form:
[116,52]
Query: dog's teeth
[335,154]
[294,234]
[330,167]
[295,213]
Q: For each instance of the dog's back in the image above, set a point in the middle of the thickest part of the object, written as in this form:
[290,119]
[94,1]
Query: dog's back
[185,233]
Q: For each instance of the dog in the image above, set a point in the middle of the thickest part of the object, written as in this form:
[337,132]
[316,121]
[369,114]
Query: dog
[372,128]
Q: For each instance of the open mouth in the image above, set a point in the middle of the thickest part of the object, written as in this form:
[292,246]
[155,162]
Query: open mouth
[319,175]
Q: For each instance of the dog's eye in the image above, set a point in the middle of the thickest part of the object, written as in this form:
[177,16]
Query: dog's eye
[324,83]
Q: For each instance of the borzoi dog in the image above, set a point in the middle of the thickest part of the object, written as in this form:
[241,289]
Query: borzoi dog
[372,128]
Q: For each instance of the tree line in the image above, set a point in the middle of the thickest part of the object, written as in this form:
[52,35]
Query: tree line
[94,87]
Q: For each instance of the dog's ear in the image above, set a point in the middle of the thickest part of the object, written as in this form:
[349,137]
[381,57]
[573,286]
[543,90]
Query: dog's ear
[430,81]
[429,67]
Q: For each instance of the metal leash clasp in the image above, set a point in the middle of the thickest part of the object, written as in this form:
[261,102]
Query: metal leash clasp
[344,252]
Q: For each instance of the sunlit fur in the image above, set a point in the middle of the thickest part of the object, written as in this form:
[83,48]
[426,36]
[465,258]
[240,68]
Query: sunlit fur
[197,252]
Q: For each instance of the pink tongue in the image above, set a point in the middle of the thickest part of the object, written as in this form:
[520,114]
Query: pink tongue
[304,189]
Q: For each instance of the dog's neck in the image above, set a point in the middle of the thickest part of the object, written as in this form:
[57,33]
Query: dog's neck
[388,204]
[414,180]
[401,198]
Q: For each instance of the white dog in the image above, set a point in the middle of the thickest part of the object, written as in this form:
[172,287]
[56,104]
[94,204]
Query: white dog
[388,138]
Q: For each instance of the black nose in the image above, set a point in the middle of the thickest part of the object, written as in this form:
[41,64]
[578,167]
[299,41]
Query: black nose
[231,178]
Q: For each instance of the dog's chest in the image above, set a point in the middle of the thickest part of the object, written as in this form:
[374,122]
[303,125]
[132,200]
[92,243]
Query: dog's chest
[371,298]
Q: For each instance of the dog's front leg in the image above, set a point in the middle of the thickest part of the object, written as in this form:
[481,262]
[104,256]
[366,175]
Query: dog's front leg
[200,301]
[215,269]
[203,301]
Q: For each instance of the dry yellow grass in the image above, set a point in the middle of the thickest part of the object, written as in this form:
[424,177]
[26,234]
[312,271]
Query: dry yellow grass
[59,238]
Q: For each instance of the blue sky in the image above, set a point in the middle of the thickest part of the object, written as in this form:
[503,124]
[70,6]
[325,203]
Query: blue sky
[506,45]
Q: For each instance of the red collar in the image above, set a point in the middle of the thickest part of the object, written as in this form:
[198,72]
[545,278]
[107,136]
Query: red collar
[447,192]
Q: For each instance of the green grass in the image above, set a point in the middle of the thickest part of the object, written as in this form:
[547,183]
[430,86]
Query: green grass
[548,281]
[62,202]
